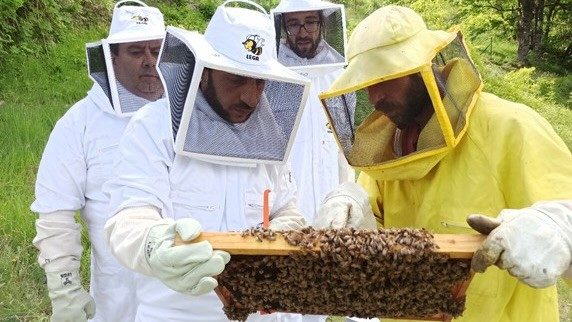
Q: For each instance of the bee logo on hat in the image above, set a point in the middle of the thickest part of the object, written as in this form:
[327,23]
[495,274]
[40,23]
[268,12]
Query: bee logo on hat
[140,20]
[253,44]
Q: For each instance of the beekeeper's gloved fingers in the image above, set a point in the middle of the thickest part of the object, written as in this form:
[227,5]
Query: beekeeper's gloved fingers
[483,224]
[70,301]
[533,244]
[144,241]
[185,268]
[346,206]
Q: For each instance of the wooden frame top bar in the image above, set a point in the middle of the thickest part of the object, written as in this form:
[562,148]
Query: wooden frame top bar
[456,245]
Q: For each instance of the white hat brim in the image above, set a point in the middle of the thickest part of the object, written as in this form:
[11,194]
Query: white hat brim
[131,36]
[270,69]
[292,6]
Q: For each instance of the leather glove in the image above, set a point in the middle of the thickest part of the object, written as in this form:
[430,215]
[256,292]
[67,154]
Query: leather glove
[533,244]
[346,206]
[70,301]
[186,268]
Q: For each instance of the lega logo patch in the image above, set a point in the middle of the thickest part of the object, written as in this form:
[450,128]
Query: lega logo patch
[253,44]
[140,20]
[66,278]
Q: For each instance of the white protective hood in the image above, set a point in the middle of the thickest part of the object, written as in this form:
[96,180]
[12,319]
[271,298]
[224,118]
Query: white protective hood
[237,41]
[331,49]
[129,24]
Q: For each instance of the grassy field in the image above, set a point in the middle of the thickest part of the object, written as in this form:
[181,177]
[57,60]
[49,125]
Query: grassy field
[36,91]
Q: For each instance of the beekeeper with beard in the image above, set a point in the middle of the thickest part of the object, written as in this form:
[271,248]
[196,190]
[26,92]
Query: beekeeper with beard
[303,29]
[435,149]
[174,178]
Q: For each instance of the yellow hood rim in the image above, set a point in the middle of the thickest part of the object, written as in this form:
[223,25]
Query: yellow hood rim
[361,72]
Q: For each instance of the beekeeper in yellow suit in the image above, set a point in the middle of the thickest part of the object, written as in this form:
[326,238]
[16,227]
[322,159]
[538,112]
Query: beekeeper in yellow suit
[433,149]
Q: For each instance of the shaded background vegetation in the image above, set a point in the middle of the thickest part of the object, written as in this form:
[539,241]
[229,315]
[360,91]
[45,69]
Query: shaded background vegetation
[42,59]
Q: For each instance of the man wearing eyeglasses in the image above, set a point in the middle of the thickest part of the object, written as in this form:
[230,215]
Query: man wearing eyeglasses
[303,32]
[311,42]
[304,39]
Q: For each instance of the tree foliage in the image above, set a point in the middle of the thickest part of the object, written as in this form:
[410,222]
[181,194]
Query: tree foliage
[541,27]
[29,26]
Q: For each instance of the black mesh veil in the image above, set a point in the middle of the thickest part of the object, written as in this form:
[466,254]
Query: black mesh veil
[330,50]
[176,65]
[214,115]
[97,68]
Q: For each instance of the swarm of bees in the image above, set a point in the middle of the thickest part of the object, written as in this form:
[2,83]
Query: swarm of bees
[384,273]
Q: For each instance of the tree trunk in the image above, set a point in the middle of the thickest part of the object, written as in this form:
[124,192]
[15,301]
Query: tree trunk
[525,32]
[537,41]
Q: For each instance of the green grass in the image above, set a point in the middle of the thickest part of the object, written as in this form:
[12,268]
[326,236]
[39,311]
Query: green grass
[36,91]
[565,301]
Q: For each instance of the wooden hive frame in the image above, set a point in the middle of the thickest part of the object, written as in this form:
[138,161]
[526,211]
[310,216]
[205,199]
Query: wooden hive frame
[460,246]
[456,246]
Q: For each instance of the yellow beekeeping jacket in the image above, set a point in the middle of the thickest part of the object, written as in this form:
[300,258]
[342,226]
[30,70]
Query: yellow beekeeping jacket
[509,157]
[477,154]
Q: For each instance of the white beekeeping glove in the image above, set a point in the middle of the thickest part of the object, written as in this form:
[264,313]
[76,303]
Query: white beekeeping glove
[144,242]
[58,238]
[533,244]
[288,218]
[346,206]
[70,301]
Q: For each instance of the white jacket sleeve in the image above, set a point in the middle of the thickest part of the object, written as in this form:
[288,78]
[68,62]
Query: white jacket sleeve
[142,171]
[61,178]
[284,188]
[139,189]
[285,214]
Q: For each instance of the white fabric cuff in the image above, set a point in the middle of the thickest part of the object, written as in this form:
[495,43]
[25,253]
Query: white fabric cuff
[58,238]
[288,217]
[352,190]
[126,233]
[289,209]
[560,214]
[58,281]
[347,197]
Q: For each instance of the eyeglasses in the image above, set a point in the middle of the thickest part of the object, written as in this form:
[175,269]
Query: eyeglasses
[309,26]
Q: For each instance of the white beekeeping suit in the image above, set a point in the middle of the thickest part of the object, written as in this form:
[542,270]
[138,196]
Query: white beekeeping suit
[317,163]
[201,159]
[76,162]
[311,39]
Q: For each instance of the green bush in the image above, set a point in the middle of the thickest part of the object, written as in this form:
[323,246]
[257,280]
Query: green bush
[31,26]
[185,15]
